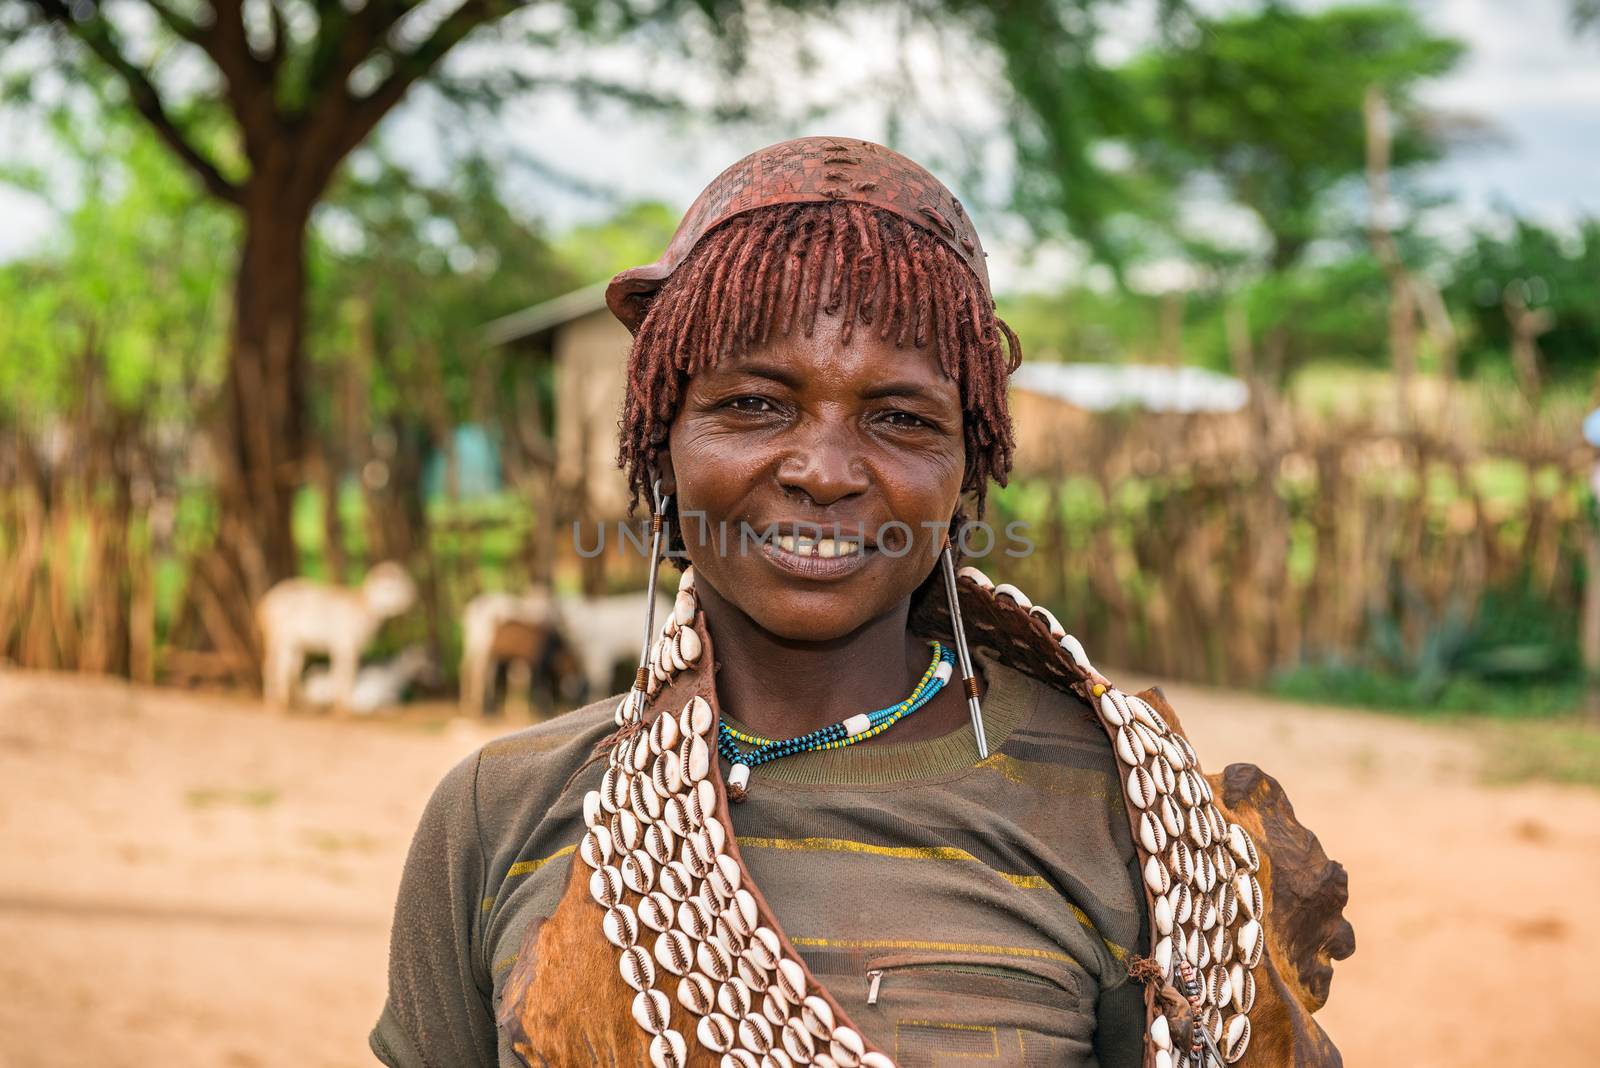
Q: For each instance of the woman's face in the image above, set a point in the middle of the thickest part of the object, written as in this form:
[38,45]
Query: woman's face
[815,480]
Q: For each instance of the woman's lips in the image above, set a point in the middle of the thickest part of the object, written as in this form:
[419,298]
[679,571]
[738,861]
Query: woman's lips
[817,558]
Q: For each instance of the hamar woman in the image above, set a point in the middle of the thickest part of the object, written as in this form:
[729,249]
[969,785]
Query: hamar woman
[862,806]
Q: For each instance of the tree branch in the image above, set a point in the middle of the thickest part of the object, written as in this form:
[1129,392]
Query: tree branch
[96,34]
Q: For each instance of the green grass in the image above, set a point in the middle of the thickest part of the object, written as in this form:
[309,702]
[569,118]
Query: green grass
[1453,696]
[205,797]
[1566,751]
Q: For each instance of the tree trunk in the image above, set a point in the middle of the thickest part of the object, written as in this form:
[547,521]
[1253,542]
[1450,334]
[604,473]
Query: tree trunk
[259,441]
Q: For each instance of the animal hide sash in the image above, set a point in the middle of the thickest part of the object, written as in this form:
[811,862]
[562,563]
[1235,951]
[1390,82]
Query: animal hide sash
[677,960]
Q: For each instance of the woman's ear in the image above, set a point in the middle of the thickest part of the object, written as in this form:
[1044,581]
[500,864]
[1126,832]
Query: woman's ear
[669,481]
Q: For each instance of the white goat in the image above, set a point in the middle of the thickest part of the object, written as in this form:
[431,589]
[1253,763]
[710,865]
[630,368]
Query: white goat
[300,616]
[480,620]
[604,631]
[377,686]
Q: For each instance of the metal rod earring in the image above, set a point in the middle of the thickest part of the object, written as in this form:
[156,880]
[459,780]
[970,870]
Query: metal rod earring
[969,680]
[631,710]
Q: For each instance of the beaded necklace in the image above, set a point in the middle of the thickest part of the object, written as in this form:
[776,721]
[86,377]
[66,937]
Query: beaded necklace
[857,728]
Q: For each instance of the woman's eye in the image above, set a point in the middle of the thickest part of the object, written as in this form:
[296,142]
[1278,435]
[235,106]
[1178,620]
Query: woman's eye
[904,420]
[752,404]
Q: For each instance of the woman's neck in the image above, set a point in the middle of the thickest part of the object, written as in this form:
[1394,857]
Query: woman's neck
[781,688]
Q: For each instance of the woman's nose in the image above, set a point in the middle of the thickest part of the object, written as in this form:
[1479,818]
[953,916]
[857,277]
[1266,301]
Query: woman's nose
[824,464]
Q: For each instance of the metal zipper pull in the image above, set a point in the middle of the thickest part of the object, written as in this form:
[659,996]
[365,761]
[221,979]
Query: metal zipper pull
[876,975]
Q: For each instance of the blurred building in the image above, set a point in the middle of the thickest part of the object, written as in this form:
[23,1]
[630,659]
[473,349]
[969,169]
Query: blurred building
[588,350]
[1115,417]
[1063,412]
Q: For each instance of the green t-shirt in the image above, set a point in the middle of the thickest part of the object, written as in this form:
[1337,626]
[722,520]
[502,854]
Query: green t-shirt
[955,907]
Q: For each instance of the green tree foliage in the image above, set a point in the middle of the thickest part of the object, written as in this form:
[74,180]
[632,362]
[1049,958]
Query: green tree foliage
[635,235]
[1552,272]
[1269,105]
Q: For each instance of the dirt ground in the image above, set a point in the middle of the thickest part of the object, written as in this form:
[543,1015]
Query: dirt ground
[188,880]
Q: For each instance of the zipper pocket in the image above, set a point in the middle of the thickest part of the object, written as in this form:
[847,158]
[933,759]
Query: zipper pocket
[994,971]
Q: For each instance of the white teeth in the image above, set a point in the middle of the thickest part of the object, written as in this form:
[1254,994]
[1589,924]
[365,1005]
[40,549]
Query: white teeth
[823,548]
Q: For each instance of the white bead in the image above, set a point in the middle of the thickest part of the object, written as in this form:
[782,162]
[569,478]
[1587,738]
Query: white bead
[944,670]
[859,723]
[739,776]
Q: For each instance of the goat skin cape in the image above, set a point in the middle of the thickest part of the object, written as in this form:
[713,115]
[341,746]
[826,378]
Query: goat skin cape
[567,1004]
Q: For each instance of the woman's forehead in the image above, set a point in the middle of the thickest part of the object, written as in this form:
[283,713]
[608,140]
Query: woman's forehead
[866,364]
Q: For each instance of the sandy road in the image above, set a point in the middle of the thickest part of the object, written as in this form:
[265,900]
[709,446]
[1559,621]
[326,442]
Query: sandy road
[186,880]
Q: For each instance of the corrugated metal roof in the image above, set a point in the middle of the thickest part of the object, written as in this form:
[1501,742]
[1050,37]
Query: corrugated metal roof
[1099,387]
[542,317]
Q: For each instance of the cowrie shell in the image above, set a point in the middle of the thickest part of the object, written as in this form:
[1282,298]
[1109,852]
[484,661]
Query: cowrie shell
[1130,750]
[640,757]
[695,757]
[715,960]
[1155,876]
[1171,815]
[612,790]
[652,1010]
[695,920]
[625,831]
[755,1033]
[1208,914]
[693,859]
[1243,982]
[1205,873]
[1242,847]
[1005,589]
[1057,631]
[674,952]
[797,1041]
[874,1059]
[724,877]
[773,1007]
[1182,899]
[638,872]
[659,842]
[1250,943]
[817,1015]
[683,607]
[1174,753]
[674,646]
[1161,1032]
[1181,860]
[740,1058]
[764,948]
[735,941]
[1199,828]
[663,735]
[595,849]
[733,998]
[1163,955]
[1248,887]
[668,774]
[791,980]
[976,576]
[1151,834]
[605,886]
[1211,1020]
[702,801]
[846,1047]
[1227,904]
[621,926]
[667,1050]
[697,717]
[741,913]
[1162,914]
[1221,946]
[644,799]
[755,977]
[1141,788]
[636,968]
[655,911]
[715,1032]
[593,810]
[1236,1038]
[1111,712]
[676,881]
[1161,771]
[673,815]
[695,993]
[689,645]
[1145,713]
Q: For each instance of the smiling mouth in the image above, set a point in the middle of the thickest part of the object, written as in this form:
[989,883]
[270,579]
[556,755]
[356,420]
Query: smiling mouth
[817,558]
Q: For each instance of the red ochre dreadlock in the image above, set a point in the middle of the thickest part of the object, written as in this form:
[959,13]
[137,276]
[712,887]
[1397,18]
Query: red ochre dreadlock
[763,272]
